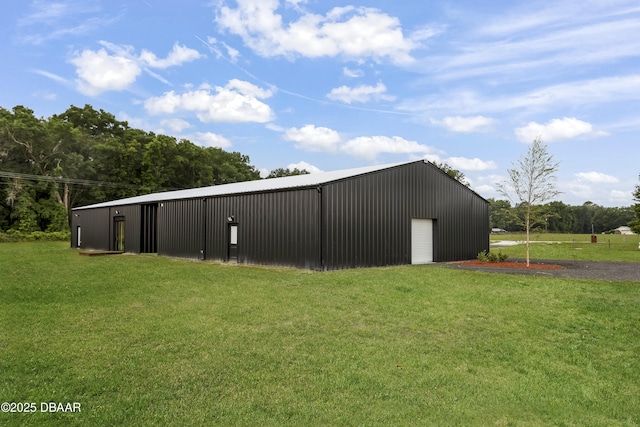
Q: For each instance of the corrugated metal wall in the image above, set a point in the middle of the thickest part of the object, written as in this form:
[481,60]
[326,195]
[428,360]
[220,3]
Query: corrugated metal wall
[149,228]
[181,228]
[95,228]
[358,222]
[367,219]
[132,227]
[277,228]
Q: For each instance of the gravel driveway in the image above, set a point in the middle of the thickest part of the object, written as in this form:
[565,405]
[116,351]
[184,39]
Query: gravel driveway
[610,271]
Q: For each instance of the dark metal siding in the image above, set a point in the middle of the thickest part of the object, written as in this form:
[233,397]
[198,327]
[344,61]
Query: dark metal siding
[181,228]
[132,227]
[367,219]
[149,228]
[357,222]
[95,229]
[276,228]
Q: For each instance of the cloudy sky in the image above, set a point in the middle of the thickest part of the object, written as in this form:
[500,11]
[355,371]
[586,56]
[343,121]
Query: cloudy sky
[326,85]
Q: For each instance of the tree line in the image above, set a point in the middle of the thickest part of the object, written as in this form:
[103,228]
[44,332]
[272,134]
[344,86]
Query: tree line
[558,217]
[85,156]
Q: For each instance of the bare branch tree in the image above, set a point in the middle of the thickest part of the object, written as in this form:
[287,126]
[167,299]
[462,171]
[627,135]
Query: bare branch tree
[533,180]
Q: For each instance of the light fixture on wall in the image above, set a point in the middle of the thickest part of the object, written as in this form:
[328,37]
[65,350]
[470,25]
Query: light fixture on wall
[117,212]
[231,218]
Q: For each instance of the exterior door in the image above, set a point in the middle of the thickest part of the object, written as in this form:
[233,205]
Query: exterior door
[119,234]
[233,242]
[78,237]
[421,241]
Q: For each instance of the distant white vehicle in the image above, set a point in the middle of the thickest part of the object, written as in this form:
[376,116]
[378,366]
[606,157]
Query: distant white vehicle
[498,230]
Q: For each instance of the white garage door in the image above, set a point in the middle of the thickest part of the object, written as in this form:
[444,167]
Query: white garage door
[421,241]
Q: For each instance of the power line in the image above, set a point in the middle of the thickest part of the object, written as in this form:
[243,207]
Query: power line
[65,180]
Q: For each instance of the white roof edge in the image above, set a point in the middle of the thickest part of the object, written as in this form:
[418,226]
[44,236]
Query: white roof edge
[271,184]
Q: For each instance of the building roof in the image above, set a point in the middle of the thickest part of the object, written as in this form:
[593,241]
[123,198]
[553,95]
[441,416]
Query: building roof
[271,184]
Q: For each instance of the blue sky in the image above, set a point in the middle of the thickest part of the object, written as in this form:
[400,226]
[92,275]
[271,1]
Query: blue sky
[327,85]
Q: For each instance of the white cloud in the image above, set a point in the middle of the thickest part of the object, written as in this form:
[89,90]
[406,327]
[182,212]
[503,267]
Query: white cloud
[486,185]
[597,178]
[526,39]
[560,96]
[234,54]
[175,124]
[302,165]
[313,138]
[348,72]
[51,20]
[555,130]
[354,33]
[484,189]
[474,164]
[621,198]
[177,56]
[56,78]
[208,139]
[236,102]
[368,147]
[116,67]
[465,124]
[275,127]
[100,72]
[49,96]
[362,93]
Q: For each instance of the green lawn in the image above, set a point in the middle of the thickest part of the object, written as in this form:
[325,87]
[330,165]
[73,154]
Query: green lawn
[609,247]
[146,340]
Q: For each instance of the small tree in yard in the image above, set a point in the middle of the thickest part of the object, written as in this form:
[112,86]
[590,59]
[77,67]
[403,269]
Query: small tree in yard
[636,208]
[533,180]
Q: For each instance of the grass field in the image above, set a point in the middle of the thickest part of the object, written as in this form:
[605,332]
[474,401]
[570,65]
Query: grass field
[609,247]
[146,340]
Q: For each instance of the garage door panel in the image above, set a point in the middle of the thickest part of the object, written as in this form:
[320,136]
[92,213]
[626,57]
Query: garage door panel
[421,241]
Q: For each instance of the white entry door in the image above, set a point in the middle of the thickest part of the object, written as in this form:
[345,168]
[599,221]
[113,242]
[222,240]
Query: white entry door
[421,241]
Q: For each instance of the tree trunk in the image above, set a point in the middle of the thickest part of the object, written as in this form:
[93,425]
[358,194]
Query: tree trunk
[527,225]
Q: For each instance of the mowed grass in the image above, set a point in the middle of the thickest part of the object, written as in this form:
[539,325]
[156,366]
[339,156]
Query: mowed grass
[146,340]
[609,247]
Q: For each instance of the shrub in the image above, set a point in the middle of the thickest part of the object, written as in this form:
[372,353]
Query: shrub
[44,236]
[483,256]
[486,256]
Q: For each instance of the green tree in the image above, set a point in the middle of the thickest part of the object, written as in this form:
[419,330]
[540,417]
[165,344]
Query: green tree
[636,209]
[584,215]
[503,215]
[280,172]
[609,218]
[192,168]
[558,218]
[533,180]
[84,156]
[230,167]
[453,173]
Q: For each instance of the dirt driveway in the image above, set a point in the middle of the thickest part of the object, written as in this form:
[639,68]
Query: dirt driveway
[591,270]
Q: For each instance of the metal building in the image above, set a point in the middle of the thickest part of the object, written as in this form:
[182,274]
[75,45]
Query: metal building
[408,213]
